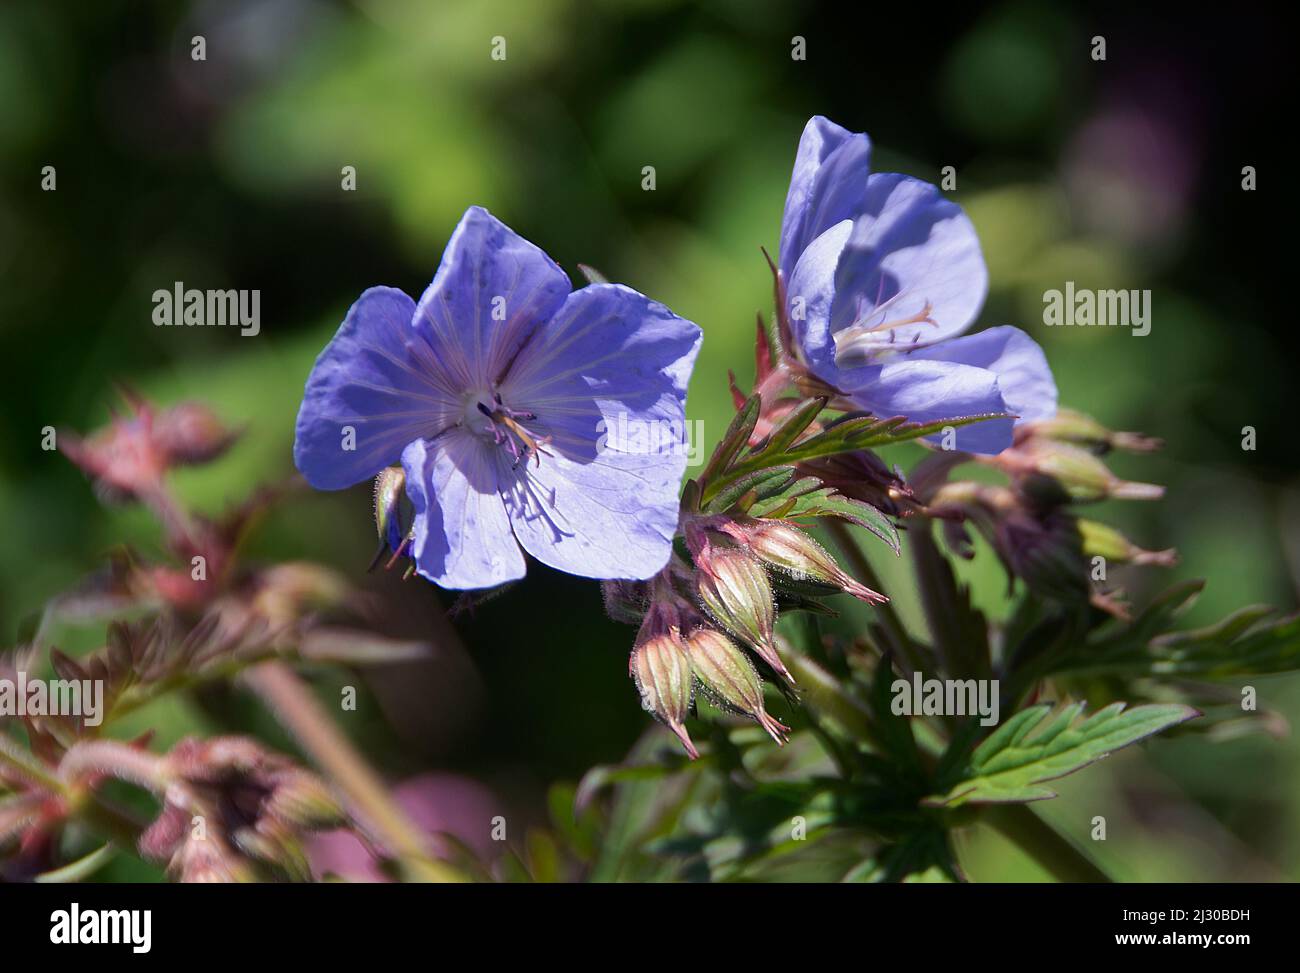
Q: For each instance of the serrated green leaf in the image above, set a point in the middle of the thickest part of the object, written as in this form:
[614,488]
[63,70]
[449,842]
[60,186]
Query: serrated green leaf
[1024,752]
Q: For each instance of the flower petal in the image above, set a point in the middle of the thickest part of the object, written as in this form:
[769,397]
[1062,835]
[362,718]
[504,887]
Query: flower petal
[827,186]
[462,534]
[607,381]
[930,391]
[1024,377]
[491,291]
[373,380]
[910,273]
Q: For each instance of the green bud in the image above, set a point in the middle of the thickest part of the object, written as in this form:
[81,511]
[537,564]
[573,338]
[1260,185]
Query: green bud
[1105,541]
[782,545]
[1068,426]
[1059,472]
[735,591]
[662,673]
[728,678]
[389,487]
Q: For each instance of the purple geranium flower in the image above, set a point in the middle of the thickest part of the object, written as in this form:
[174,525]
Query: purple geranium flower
[498,393]
[882,273]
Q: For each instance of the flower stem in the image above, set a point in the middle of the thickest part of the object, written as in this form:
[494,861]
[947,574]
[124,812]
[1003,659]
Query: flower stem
[1041,842]
[294,705]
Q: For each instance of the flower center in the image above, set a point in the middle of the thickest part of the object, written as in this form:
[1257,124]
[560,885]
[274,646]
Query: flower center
[487,416]
[854,344]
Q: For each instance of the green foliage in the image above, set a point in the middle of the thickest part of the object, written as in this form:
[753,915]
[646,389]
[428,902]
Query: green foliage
[1028,749]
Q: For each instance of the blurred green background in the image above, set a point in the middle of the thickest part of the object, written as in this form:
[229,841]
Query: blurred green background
[1123,173]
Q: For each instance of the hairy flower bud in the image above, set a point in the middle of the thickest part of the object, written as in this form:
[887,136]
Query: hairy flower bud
[735,591]
[1051,473]
[662,672]
[1105,541]
[390,486]
[625,601]
[728,678]
[781,545]
[1068,426]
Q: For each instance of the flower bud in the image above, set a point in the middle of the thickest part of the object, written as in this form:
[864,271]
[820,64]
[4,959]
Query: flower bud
[190,433]
[862,475]
[1068,426]
[390,487]
[302,800]
[735,591]
[1052,473]
[662,672]
[1105,541]
[1045,553]
[781,545]
[625,601]
[728,678]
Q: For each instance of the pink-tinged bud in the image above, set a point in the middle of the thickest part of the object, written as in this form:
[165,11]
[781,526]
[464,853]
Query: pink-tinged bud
[729,679]
[662,673]
[781,545]
[128,458]
[190,433]
[735,591]
[1102,540]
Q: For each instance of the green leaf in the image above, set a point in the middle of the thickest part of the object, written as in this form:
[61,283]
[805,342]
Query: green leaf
[763,483]
[1251,641]
[795,423]
[852,433]
[1028,749]
[733,441]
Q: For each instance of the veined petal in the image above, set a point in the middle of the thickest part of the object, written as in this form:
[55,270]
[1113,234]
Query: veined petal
[827,185]
[810,296]
[462,533]
[492,289]
[928,391]
[610,517]
[371,389]
[606,380]
[1024,377]
[911,272]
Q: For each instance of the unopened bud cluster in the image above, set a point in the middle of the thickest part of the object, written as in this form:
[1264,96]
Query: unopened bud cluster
[1054,465]
[701,621]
